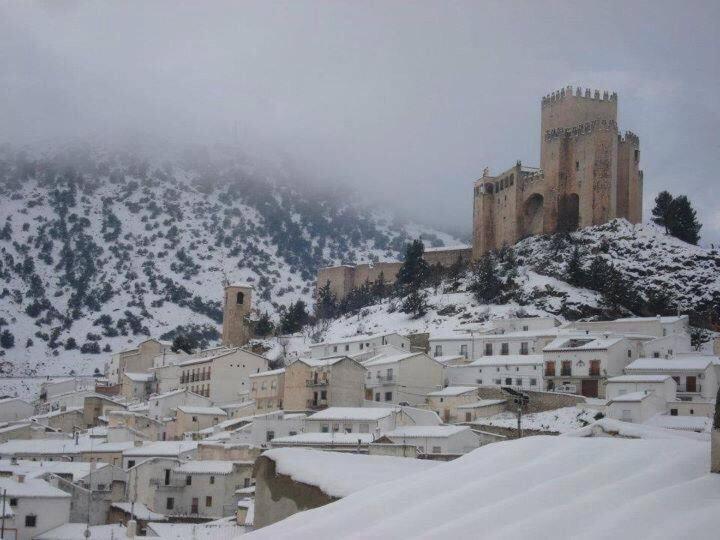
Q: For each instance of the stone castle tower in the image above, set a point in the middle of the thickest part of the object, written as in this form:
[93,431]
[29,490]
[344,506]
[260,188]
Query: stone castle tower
[236,331]
[589,174]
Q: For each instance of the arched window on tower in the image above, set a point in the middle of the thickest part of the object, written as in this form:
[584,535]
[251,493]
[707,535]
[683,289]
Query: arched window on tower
[240,298]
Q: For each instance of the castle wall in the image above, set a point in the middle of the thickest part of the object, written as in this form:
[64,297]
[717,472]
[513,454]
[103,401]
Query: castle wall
[447,257]
[235,330]
[341,279]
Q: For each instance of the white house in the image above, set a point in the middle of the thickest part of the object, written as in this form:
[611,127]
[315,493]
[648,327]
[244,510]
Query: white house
[355,345]
[182,450]
[521,371]
[396,376]
[32,506]
[162,406]
[648,326]
[137,386]
[436,440]
[222,377]
[663,385]
[696,376]
[494,342]
[266,427]
[373,420]
[445,402]
[636,407]
[581,363]
[667,346]
[13,408]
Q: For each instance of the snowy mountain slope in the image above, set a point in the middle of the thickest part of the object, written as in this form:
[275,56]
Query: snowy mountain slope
[106,249]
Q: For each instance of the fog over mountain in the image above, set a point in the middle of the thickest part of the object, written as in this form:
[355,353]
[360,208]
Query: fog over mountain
[407,102]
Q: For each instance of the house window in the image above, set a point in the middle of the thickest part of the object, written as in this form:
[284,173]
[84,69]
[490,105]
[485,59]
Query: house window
[656,354]
[326,428]
[629,353]
[524,347]
[468,417]
[212,480]
[169,503]
[498,382]
[269,436]
[389,374]
[518,382]
[463,350]
[526,328]
[594,368]
[478,381]
[364,428]
[208,501]
[323,395]
[369,375]
[31,521]
[131,463]
[436,450]
[488,349]
[194,419]
[566,369]
[388,396]
[377,396]
[13,502]
[347,347]
[334,348]
[673,412]
[533,382]
[188,480]
[438,350]
[361,346]
[508,381]
[505,349]
[577,165]
[240,298]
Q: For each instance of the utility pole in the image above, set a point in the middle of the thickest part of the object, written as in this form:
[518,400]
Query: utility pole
[2,526]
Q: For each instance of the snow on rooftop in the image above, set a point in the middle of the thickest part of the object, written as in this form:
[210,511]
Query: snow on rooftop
[561,487]
[509,359]
[45,446]
[557,421]
[639,379]
[139,511]
[320,362]
[34,469]
[140,377]
[269,372]
[221,529]
[203,359]
[446,248]
[191,409]
[354,413]
[631,397]
[679,363]
[699,424]
[325,439]
[353,339]
[339,474]
[206,467]
[30,487]
[241,284]
[425,431]
[616,428]
[482,403]
[76,531]
[161,448]
[383,359]
[453,391]
[586,342]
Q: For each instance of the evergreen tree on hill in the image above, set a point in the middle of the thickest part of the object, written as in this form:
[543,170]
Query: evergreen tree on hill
[294,318]
[574,269]
[597,275]
[661,212]
[678,217]
[415,270]
[486,285]
[183,342]
[326,305]
[264,326]
[415,304]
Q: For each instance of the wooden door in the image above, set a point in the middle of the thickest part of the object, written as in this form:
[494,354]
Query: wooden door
[194,505]
[589,388]
[690,384]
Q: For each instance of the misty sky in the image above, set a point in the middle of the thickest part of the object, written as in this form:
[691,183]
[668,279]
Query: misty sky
[408,99]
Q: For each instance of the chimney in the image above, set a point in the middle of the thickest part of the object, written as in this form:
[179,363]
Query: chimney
[131,528]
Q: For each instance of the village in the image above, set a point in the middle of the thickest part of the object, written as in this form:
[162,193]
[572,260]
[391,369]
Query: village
[215,442]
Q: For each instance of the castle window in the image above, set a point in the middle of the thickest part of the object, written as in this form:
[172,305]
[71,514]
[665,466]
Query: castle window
[577,165]
[637,156]
[240,298]
[512,179]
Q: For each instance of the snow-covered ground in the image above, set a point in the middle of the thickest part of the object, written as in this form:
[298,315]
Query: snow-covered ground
[557,420]
[536,487]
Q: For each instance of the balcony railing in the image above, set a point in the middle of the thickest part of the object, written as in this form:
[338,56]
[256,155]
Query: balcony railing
[315,405]
[318,382]
[175,483]
[549,372]
[566,372]
[693,390]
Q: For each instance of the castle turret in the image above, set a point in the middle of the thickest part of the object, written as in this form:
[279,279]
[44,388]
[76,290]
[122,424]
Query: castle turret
[238,302]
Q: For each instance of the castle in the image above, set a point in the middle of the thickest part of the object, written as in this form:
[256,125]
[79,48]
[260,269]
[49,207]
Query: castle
[589,174]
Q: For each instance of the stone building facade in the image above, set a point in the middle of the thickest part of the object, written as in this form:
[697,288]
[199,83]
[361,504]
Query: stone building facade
[589,174]
[236,331]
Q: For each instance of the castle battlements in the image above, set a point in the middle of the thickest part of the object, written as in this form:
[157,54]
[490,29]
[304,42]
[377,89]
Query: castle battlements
[561,94]
[631,138]
[582,129]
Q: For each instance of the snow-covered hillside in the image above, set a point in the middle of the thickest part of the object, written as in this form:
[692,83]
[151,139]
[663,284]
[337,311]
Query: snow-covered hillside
[100,250]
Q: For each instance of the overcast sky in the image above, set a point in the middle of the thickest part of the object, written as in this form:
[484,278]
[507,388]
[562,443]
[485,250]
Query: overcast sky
[409,100]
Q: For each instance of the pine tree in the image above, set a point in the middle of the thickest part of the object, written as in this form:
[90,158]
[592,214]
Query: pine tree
[264,326]
[683,221]
[486,285]
[574,269]
[326,304]
[183,342]
[659,302]
[294,318]
[415,304]
[415,270]
[597,275]
[663,206]
[7,339]
[380,287]
[619,292]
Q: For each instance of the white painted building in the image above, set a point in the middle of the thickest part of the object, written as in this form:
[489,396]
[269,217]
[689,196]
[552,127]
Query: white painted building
[521,371]
[475,345]
[182,450]
[436,440]
[163,405]
[696,376]
[663,385]
[648,326]
[396,376]
[12,409]
[358,345]
[445,402]
[667,346]
[636,407]
[362,420]
[32,506]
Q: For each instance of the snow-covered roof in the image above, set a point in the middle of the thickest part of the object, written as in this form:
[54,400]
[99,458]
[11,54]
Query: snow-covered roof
[325,439]
[563,420]
[192,409]
[382,359]
[547,484]
[354,413]
[339,474]
[321,362]
[453,391]
[482,403]
[46,446]
[684,423]
[139,510]
[679,363]
[266,373]
[639,379]
[11,399]
[30,487]
[161,448]
[410,432]
[448,358]
[667,320]
[245,284]
[506,360]
[630,397]
[76,531]
[583,342]
[206,467]
[353,339]
[203,359]
[140,377]
[221,529]
[56,412]
[34,469]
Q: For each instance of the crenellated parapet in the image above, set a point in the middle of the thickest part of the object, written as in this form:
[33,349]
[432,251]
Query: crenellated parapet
[585,128]
[631,138]
[587,93]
